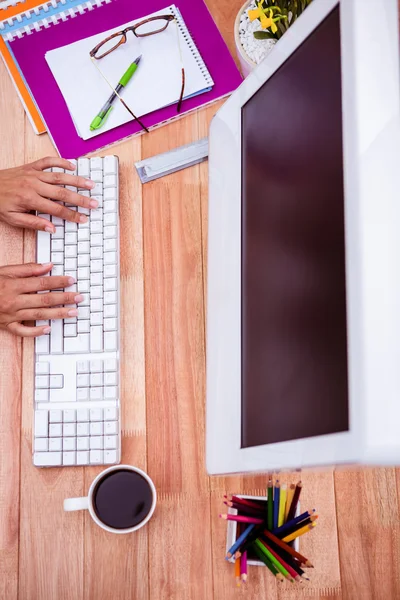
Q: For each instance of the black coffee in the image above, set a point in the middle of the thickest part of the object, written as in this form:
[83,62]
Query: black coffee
[122,499]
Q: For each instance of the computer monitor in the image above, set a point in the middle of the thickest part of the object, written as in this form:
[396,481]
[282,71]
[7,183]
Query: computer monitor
[303,317]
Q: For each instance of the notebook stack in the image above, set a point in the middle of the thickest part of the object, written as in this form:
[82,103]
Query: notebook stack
[46,46]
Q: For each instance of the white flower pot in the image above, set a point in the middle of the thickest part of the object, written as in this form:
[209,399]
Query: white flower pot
[246,64]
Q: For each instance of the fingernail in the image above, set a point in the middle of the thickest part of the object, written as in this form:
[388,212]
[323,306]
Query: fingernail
[73,167]
[78,298]
[83,219]
[47,330]
[89,183]
[49,229]
[71,280]
[73,312]
[93,204]
[47,265]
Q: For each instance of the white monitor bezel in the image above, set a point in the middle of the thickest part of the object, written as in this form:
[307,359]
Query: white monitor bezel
[369,111]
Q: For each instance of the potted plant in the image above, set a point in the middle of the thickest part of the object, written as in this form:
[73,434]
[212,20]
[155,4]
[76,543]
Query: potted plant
[260,24]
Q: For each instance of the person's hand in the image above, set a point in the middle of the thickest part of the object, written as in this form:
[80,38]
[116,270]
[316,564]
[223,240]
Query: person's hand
[30,188]
[19,301]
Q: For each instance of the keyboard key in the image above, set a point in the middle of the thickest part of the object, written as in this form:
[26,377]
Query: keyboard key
[41,395]
[83,326]
[82,458]
[43,247]
[96,266]
[110,310]
[96,442]
[96,393]
[69,429]
[111,413]
[83,380]
[42,381]
[84,311]
[96,305]
[110,271]
[41,445]
[111,392]
[96,163]
[110,165]
[82,366]
[83,167]
[83,273]
[110,181]
[82,443]
[55,430]
[96,379]
[83,247]
[83,234]
[83,260]
[56,416]
[110,206]
[96,176]
[58,271]
[96,291]
[96,338]
[110,284]
[110,379]
[96,428]
[110,258]
[110,193]
[82,414]
[111,442]
[96,278]
[42,344]
[110,297]
[110,324]
[69,459]
[57,258]
[110,427]
[110,244]
[69,416]
[70,227]
[110,364]
[47,459]
[110,231]
[41,423]
[56,337]
[111,457]
[69,444]
[110,341]
[82,429]
[82,394]
[96,318]
[96,457]
[96,414]
[59,233]
[57,381]
[72,251]
[97,190]
[96,366]
[96,215]
[55,444]
[57,245]
[96,253]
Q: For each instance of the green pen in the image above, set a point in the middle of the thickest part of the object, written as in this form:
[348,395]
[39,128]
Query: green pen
[104,112]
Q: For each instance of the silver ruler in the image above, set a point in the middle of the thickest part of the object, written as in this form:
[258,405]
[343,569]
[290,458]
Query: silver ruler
[172,161]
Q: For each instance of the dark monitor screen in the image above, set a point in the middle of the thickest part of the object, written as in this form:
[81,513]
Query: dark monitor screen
[294,343]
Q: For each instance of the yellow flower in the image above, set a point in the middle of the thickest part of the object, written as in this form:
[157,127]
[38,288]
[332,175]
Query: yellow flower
[260,13]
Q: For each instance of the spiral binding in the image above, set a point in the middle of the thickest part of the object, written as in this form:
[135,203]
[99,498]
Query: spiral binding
[46,22]
[187,36]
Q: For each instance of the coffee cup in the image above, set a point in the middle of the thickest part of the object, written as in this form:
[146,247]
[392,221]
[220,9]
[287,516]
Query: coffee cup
[121,499]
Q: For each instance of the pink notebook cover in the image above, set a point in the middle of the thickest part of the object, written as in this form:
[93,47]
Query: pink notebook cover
[30,51]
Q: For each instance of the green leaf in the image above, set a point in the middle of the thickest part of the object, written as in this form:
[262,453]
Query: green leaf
[263,35]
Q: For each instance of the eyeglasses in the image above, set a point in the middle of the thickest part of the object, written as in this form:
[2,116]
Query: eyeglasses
[142,29]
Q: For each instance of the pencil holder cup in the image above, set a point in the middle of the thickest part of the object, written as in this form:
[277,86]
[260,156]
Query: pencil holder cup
[231,530]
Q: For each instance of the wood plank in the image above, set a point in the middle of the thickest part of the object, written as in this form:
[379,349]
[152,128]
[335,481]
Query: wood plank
[51,541]
[129,552]
[11,252]
[368,532]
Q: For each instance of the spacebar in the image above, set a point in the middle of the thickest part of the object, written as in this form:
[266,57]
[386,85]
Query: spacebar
[77,345]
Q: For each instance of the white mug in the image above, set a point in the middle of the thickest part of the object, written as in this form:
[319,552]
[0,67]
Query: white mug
[86,503]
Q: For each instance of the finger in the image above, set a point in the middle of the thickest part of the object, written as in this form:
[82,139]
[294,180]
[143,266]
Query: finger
[46,314]
[58,210]
[25,331]
[26,270]
[28,221]
[54,192]
[40,284]
[26,301]
[53,161]
[64,179]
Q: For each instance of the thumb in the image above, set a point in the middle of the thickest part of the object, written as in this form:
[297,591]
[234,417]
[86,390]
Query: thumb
[27,270]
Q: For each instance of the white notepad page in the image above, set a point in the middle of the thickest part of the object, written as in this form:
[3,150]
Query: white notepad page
[155,84]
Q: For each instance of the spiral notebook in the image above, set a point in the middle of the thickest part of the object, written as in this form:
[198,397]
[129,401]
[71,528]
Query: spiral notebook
[156,83]
[30,36]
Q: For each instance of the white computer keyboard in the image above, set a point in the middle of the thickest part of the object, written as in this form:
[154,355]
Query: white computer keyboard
[77,409]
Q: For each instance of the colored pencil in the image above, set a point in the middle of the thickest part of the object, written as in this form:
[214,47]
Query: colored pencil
[243,567]
[288,568]
[270,506]
[249,541]
[295,501]
[299,532]
[267,563]
[259,506]
[303,560]
[294,528]
[288,558]
[282,504]
[241,519]
[237,572]
[289,498]
[277,489]
[274,560]
[239,541]
[295,521]
[246,510]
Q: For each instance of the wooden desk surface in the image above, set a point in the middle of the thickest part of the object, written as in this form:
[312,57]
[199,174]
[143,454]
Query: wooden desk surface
[48,555]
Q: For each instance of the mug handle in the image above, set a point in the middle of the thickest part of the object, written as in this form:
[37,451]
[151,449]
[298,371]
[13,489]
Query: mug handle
[76,504]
